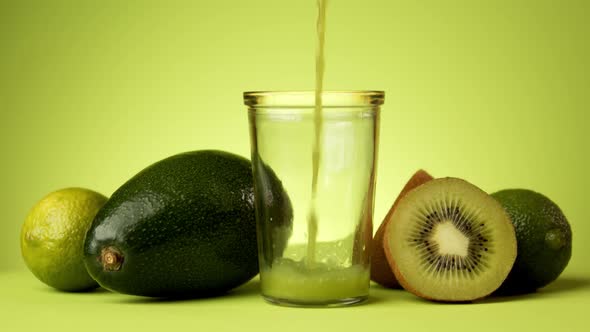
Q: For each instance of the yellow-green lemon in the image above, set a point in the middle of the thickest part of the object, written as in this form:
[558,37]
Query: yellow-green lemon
[52,238]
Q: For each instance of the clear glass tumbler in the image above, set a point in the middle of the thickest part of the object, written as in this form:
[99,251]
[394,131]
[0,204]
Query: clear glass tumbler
[314,244]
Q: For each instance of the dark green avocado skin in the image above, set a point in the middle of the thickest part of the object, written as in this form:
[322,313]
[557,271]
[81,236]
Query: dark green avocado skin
[185,226]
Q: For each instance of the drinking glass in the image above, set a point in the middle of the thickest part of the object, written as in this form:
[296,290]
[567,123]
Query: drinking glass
[314,233]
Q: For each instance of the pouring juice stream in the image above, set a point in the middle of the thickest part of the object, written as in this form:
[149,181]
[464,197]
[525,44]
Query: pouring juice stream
[312,222]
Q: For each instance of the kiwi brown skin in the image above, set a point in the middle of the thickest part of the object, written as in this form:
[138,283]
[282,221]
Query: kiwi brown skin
[381,270]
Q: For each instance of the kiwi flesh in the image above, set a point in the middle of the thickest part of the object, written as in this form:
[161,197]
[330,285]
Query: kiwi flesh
[450,241]
[381,271]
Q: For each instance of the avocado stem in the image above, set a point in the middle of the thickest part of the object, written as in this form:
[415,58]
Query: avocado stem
[111,259]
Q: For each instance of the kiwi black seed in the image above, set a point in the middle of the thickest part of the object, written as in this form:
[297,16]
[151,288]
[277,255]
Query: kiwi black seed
[468,222]
[450,241]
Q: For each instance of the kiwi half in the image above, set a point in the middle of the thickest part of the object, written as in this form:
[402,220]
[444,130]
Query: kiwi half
[381,271]
[450,241]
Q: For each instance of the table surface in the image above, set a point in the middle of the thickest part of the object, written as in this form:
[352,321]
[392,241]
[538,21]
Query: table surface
[27,304]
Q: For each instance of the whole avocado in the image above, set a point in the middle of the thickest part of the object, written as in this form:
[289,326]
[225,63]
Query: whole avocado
[184,226]
[277,231]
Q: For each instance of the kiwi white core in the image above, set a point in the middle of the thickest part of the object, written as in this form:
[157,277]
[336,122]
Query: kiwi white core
[450,240]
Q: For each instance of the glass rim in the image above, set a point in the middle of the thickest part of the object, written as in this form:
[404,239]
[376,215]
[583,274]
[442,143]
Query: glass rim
[306,98]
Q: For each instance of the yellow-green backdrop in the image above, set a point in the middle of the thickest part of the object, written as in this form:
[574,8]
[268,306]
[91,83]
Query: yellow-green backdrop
[496,92]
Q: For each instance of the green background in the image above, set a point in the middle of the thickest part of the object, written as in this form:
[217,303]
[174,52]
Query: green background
[496,92]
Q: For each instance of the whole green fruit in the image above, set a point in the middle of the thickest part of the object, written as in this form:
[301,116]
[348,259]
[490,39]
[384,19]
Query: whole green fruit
[184,226]
[544,239]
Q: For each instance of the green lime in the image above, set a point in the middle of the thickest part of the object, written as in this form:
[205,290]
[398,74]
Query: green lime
[52,238]
[544,239]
